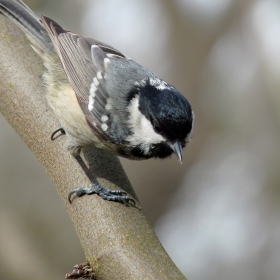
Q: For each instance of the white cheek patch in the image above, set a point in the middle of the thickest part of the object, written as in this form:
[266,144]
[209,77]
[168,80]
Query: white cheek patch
[143,133]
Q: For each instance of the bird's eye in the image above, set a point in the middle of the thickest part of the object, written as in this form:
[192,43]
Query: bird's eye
[157,129]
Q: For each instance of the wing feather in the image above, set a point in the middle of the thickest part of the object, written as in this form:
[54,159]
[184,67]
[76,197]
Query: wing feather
[83,61]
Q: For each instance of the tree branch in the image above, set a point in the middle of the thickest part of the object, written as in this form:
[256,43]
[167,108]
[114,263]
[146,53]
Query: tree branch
[117,240]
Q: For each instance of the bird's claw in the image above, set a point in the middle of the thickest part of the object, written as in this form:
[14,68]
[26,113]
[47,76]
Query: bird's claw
[111,195]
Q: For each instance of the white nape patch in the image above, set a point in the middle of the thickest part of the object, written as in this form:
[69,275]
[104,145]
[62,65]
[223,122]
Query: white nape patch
[108,105]
[99,76]
[91,102]
[104,118]
[95,81]
[106,61]
[159,84]
[92,90]
[104,126]
[143,133]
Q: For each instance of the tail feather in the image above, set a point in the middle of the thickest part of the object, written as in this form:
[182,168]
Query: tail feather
[26,20]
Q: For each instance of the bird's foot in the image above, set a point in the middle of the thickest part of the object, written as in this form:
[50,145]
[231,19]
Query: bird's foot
[106,194]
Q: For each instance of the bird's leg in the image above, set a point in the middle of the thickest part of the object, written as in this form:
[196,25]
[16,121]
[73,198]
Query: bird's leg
[113,195]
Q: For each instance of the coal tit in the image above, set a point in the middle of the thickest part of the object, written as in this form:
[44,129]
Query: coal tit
[103,99]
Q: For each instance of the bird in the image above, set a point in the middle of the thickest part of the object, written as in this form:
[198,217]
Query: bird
[103,99]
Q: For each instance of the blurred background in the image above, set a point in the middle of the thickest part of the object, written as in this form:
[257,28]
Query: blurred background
[218,214]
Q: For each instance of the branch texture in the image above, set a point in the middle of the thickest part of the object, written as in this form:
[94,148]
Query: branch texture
[117,240]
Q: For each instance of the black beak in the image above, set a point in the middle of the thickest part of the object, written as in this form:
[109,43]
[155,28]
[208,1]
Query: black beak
[177,148]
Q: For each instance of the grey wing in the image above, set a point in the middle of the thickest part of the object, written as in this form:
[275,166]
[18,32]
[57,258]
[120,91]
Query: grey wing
[84,60]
